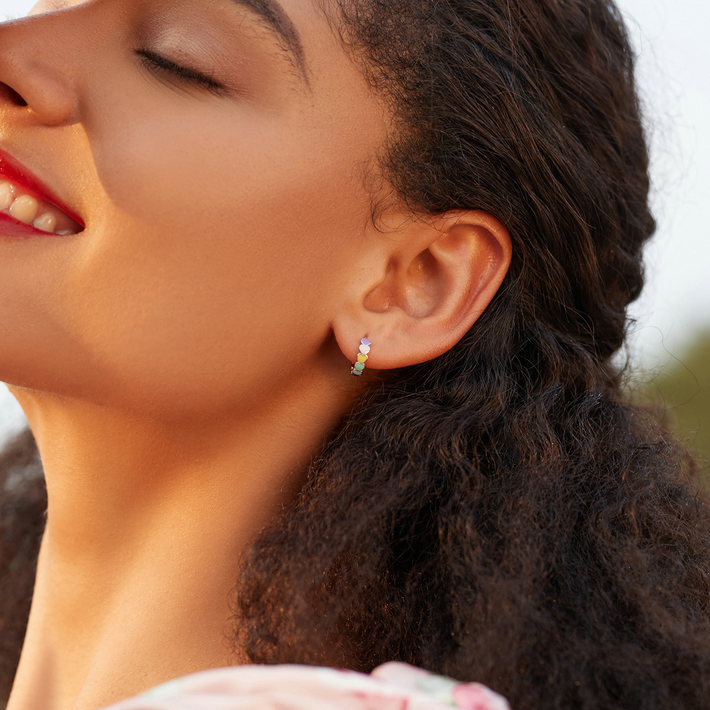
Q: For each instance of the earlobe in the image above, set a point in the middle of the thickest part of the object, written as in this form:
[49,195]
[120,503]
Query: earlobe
[439,277]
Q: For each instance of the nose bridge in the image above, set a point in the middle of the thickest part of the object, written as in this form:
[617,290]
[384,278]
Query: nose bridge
[42,58]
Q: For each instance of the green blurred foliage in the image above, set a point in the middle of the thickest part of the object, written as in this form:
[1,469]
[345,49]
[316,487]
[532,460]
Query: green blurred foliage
[682,386]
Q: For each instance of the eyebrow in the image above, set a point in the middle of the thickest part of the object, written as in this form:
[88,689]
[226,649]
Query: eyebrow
[273,14]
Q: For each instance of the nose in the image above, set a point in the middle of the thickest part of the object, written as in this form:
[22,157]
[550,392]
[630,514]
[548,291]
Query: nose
[36,81]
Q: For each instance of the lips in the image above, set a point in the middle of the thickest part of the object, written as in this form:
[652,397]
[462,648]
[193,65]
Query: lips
[28,207]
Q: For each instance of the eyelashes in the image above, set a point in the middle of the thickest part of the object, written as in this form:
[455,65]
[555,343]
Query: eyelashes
[156,62]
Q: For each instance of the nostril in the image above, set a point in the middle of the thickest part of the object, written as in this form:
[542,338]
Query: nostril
[7,93]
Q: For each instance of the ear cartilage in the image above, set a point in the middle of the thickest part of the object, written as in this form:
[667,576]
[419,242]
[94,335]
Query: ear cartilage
[358,368]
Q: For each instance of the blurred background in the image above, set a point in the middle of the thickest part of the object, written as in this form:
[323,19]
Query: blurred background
[669,343]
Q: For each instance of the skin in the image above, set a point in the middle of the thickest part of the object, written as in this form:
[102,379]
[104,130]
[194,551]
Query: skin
[182,358]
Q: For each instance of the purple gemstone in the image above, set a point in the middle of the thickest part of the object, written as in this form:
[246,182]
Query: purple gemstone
[365,341]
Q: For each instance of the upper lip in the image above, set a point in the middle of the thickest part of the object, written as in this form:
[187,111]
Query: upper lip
[28,182]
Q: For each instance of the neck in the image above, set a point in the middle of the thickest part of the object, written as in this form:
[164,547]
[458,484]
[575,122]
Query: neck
[146,526]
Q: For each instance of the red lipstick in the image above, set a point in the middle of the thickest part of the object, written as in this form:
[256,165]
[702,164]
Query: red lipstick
[28,183]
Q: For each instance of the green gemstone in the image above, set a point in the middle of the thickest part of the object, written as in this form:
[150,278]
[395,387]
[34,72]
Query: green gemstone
[360,366]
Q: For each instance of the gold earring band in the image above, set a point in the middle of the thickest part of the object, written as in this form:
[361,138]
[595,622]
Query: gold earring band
[359,366]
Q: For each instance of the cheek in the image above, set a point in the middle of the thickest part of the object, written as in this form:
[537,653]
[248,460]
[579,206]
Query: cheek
[215,256]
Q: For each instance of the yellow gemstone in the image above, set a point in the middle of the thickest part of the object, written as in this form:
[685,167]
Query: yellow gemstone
[362,358]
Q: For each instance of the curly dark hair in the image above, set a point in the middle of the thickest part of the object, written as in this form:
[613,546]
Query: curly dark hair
[503,513]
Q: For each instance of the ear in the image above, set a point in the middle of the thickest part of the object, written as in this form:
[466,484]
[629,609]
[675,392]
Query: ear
[425,288]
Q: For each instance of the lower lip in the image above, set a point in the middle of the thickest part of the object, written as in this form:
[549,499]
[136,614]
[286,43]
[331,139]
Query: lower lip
[11,227]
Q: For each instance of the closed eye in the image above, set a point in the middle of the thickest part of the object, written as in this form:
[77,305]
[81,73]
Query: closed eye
[155,62]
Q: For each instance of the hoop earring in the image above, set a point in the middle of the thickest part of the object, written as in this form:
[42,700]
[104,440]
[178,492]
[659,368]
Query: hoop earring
[359,366]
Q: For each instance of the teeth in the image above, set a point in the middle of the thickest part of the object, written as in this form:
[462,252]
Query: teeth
[29,210]
[47,222]
[7,195]
[24,209]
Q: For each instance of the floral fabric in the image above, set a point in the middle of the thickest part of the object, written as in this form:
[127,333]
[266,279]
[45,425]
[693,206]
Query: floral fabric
[392,686]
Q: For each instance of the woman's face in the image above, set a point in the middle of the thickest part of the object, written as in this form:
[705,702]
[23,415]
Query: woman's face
[215,150]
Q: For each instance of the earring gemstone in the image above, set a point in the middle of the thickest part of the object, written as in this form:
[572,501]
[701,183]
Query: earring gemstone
[359,366]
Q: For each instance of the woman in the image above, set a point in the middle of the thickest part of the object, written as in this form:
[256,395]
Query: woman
[232,198]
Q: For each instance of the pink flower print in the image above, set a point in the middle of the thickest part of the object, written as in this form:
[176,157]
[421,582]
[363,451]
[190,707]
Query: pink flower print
[473,696]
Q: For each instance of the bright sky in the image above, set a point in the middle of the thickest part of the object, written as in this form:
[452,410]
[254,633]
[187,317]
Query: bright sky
[670,37]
